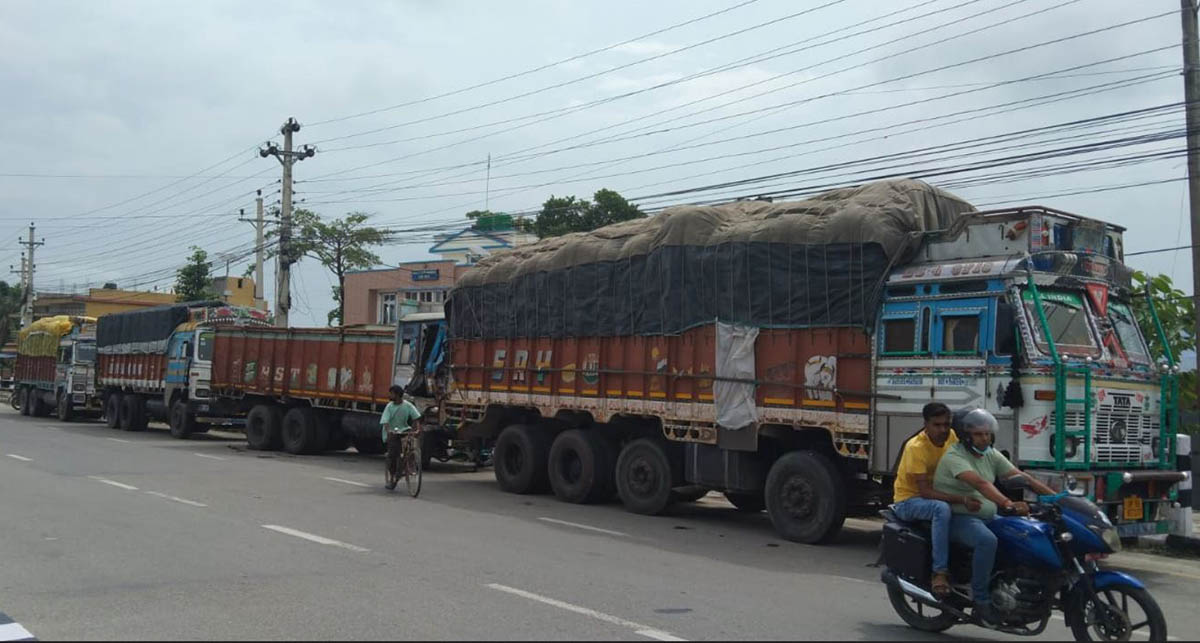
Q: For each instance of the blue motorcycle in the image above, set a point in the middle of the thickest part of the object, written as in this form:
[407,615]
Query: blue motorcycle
[1044,562]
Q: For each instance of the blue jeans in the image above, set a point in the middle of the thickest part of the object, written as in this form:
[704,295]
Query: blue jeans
[973,532]
[937,512]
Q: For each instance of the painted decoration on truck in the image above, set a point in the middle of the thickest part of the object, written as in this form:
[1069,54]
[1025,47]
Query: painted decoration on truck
[543,364]
[498,364]
[346,380]
[248,372]
[331,378]
[520,362]
[591,369]
[364,386]
[820,371]
[310,375]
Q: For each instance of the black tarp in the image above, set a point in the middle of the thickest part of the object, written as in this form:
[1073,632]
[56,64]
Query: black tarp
[147,325]
[819,262]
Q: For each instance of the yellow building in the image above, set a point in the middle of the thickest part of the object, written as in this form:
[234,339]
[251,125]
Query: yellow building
[236,291]
[102,301]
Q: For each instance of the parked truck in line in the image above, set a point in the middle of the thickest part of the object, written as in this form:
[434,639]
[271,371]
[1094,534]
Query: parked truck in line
[156,363]
[55,369]
[781,353]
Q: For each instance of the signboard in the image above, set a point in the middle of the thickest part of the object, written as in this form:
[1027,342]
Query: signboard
[425,275]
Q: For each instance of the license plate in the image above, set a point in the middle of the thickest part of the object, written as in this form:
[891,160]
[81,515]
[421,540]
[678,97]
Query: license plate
[201,407]
[1133,508]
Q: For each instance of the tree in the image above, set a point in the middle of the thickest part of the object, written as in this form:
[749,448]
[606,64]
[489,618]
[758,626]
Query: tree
[1177,314]
[340,245]
[192,281]
[10,310]
[110,285]
[562,215]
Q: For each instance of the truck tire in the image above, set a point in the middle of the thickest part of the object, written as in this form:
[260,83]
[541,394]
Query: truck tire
[262,428]
[38,408]
[806,498]
[301,432]
[112,410]
[26,402]
[520,459]
[183,423]
[644,477]
[133,413]
[580,467]
[370,445]
[64,411]
[750,503]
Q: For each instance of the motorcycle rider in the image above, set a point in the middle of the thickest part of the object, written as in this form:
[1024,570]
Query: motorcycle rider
[970,468]
[913,493]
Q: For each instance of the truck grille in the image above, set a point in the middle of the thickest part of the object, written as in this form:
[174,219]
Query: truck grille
[1118,432]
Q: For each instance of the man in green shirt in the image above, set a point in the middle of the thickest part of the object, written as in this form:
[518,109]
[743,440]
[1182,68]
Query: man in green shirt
[397,419]
[969,469]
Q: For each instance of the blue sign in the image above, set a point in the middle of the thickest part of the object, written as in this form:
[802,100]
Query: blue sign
[425,275]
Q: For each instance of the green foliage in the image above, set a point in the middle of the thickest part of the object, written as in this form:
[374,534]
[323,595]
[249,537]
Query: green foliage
[192,281]
[562,215]
[1177,314]
[341,245]
[11,298]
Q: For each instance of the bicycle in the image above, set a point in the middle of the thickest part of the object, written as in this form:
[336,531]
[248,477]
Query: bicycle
[410,463]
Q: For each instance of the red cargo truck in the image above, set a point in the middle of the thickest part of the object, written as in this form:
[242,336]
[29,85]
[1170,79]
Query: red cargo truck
[305,390]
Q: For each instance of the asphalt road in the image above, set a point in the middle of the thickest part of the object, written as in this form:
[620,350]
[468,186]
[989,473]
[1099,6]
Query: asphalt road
[116,535]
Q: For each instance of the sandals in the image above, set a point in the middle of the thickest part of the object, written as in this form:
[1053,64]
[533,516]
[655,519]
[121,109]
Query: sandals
[940,585]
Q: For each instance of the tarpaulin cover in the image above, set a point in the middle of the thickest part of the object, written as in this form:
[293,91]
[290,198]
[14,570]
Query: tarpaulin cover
[816,262]
[40,339]
[734,400]
[143,330]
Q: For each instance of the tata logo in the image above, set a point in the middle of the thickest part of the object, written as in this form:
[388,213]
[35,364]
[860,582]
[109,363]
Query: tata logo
[1121,401]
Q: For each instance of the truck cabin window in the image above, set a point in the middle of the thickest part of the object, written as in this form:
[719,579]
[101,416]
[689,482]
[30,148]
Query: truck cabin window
[899,336]
[960,335]
[64,355]
[85,354]
[1127,332]
[204,347]
[1006,330]
[1067,319]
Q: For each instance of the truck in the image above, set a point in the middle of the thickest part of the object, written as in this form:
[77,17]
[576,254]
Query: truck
[55,370]
[156,364]
[781,353]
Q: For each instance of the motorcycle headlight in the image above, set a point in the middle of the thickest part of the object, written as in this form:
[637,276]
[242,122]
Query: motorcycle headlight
[1111,538]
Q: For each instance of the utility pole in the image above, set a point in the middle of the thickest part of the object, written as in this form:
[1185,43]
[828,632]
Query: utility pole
[287,158]
[1191,94]
[259,248]
[28,293]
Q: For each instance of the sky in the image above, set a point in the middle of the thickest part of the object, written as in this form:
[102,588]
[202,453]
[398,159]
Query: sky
[129,130]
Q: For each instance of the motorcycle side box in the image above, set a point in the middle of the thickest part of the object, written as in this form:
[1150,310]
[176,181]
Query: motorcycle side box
[906,552]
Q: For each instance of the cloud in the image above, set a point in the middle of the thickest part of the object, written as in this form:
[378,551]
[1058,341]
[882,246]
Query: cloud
[645,48]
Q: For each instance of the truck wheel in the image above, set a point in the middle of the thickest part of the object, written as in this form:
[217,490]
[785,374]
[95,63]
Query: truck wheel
[183,423]
[301,432]
[133,413]
[806,498]
[38,407]
[65,412]
[520,459]
[580,467]
[750,503]
[26,403]
[112,410]
[262,428]
[644,477]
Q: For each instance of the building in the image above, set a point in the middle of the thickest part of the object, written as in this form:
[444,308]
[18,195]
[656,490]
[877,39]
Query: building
[238,291]
[472,244]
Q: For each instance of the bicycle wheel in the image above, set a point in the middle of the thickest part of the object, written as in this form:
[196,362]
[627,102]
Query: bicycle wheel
[412,467]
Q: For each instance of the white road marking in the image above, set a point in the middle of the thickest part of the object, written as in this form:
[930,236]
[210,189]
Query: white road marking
[119,440]
[579,526]
[14,632]
[183,500]
[638,628]
[20,457]
[852,580]
[314,538]
[357,484]
[210,457]
[127,487]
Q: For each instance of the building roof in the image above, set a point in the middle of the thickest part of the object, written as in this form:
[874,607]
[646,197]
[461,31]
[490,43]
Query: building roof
[504,243]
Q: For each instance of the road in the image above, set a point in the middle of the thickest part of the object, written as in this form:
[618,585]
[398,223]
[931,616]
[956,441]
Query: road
[117,535]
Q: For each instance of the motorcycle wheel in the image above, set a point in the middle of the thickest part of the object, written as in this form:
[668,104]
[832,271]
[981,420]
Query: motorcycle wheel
[917,614]
[1116,622]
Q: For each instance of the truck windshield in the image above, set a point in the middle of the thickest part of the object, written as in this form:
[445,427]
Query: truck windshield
[204,347]
[1127,331]
[1067,318]
[85,353]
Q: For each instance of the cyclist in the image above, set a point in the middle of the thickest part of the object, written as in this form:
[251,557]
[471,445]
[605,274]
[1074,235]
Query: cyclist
[399,417]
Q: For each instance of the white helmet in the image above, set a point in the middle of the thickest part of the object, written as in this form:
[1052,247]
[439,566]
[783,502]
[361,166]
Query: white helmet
[971,419]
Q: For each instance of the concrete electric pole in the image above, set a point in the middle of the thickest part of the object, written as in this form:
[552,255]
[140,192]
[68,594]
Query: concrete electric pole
[260,250]
[1191,94]
[287,158]
[27,292]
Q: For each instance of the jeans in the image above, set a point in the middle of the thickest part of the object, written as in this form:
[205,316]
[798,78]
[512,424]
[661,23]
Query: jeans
[937,512]
[974,533]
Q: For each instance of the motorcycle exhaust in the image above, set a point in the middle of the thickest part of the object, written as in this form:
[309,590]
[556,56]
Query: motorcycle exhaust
[922,595]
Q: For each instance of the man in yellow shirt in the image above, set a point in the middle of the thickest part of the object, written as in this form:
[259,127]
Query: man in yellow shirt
[914,496]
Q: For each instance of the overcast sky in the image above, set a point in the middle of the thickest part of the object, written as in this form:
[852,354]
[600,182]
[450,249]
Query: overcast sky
[129,130]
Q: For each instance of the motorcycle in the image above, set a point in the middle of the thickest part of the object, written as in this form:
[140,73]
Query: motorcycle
[1044,562]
